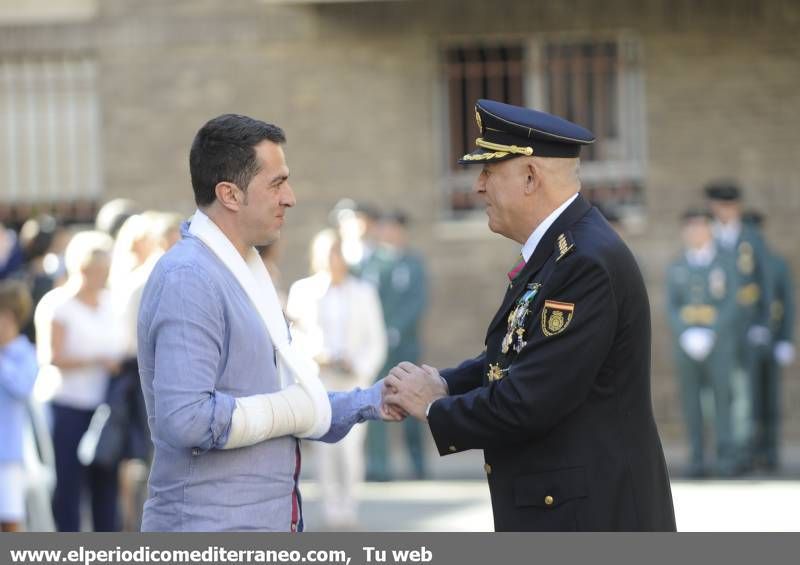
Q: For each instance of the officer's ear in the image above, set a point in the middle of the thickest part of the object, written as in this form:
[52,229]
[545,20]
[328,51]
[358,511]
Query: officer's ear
[229,195]
[533,176]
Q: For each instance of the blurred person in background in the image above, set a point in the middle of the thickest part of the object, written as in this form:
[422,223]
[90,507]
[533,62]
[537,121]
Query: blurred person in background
[18,370]
[170,229]
[141,242]
[113,214]
[337,319]
[780,354]
[271,256]
[403,289]
[85,347]
[744,248]
[357,224]
[12,258]
[701,305]
[133,245]
[37,237]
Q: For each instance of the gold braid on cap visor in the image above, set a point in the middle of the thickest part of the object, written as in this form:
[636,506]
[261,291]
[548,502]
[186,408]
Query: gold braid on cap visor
[500,150]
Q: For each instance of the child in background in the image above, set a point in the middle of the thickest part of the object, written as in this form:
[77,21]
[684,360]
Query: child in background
[17,375]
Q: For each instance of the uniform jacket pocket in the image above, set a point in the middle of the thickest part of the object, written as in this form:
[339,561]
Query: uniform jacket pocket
[550,489]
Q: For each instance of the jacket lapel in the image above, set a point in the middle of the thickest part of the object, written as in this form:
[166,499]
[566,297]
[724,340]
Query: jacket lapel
[541,254]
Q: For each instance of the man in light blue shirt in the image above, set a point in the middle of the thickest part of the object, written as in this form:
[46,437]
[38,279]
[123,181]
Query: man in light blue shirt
[223,419]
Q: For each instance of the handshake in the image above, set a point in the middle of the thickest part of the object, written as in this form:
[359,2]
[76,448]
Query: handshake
[408,390]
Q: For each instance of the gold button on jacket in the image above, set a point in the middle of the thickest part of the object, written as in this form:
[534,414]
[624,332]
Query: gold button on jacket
[488,469]
[548,500]
[452,448]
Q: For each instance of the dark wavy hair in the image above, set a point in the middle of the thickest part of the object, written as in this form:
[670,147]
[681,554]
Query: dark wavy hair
[224,151]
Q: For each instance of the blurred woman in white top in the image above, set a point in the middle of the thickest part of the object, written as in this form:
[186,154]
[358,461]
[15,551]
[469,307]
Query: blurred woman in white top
[133,245]
[81,339]
[338,318]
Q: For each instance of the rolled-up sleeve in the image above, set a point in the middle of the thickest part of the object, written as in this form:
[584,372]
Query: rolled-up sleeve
[188,331]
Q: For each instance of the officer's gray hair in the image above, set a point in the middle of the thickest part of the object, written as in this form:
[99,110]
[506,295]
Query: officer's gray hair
[562,171]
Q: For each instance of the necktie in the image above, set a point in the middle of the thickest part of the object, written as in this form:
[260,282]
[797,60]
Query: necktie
[512,274]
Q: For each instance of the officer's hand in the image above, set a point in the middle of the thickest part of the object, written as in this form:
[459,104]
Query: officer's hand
[415,388]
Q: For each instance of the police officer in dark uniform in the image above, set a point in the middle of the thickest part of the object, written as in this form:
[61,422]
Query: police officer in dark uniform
[560,398]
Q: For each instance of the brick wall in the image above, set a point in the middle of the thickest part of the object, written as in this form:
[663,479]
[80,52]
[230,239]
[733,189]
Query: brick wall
[357,88]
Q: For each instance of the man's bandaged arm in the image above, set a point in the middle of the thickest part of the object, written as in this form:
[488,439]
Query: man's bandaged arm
[261,417]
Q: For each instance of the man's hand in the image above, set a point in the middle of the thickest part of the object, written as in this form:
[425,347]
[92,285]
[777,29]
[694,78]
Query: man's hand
[389,412]
[413,388]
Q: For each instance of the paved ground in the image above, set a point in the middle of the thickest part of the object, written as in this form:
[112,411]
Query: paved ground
[457,498]
[716,506]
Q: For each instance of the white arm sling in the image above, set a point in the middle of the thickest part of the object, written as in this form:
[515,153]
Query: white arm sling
[302,407]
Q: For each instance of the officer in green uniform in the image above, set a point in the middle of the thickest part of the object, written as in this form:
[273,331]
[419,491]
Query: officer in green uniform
[702,311]
[767,400]
[745,247]
[402,285]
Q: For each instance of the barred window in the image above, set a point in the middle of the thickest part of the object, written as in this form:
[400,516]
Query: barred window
[494,72]
[581,87]
[597,83]
[49,136]
[592,82]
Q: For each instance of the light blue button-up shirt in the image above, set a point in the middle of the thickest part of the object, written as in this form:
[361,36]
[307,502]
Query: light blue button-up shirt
[17,375]
[202,345]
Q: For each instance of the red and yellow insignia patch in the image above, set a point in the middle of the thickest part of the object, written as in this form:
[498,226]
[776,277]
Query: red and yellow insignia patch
[556,316]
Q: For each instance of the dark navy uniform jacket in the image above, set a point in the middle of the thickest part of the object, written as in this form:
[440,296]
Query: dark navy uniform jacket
[562,409]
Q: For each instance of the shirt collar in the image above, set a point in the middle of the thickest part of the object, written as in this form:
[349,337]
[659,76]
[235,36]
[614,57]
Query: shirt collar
[728,233]
[701,257]
[538,233]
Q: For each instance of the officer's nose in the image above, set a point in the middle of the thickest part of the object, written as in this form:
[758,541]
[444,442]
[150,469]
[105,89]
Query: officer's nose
[479,186]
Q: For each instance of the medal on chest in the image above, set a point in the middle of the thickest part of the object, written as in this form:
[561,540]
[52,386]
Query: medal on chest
[745,262]
[515,330]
